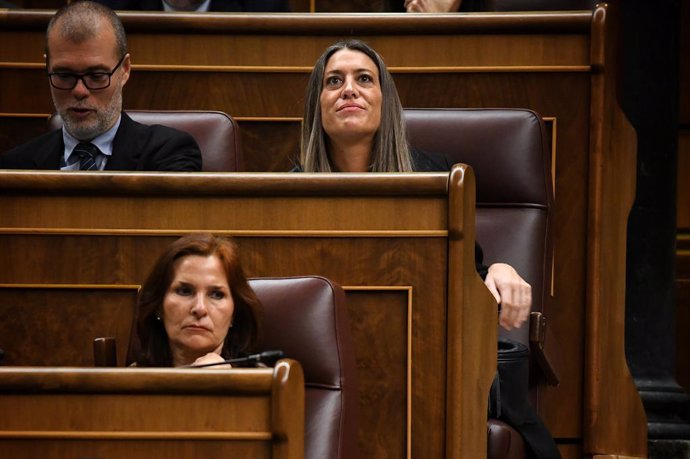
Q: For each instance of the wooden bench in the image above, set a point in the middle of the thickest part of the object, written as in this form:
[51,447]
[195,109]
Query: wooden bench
[560,65]
[57,412]
[402,246]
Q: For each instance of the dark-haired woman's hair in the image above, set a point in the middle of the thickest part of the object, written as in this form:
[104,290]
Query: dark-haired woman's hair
[390,152]
[153,339]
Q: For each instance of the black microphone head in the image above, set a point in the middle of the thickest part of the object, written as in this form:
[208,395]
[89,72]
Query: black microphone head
[270,357]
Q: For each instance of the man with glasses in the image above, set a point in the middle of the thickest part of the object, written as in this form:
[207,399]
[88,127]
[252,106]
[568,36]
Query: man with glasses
[88,65]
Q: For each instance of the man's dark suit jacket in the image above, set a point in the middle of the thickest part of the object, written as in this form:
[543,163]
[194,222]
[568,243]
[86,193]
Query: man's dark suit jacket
[256,6]
[136,147]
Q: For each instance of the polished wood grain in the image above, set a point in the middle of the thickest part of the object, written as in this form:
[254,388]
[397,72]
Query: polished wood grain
[612,191]
[19,128]
[85,311]
[570,451]
[73,412]
[255,67]
[386,378]
[301,5]
[467,302]
[389,238]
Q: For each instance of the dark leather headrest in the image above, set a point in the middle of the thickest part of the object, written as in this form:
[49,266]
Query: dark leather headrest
[505,147]
[305,317]
[509,152]
[215,132]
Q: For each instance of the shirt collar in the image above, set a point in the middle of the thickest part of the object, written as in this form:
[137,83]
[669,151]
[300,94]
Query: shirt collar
[104,142]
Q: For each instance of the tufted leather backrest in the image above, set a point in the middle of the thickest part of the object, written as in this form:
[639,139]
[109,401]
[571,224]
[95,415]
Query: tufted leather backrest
[306,318]
[510,155]
[216,133]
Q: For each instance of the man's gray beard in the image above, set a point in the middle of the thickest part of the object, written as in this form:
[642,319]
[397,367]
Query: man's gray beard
[104,120]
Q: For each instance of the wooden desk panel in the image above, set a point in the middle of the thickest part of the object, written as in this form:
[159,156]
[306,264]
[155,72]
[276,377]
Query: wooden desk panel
[138,413]
[396,242]
[558,64]
[29,334]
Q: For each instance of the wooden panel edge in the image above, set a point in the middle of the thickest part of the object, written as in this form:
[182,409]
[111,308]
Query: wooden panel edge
[614,418]
[471,327]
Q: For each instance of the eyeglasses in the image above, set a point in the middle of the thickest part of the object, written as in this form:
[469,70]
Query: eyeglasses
[92,80]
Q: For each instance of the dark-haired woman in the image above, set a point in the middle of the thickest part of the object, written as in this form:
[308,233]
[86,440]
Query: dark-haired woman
[196,306]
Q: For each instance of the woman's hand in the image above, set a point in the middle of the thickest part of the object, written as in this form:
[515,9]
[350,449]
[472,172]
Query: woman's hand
[211,357]
[511,292]
[432,6]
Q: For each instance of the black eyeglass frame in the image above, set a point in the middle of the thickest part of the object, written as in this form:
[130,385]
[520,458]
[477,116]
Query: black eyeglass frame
[84,76]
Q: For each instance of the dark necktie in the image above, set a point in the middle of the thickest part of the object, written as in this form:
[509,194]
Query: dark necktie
[87,154]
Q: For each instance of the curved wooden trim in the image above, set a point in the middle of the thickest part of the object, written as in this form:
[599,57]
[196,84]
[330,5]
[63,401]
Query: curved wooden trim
[25,115]
[136,380]
[494,69]
[287,418]
[410,305]
[609,389]
[327,23]
[70,286]
[385,288]
[21,65]
[225,232]
[307,69]
[554,143]
[228,184]
[131,435]
[223,68]
[471,358]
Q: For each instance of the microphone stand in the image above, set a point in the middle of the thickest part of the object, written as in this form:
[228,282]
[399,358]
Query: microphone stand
[268,358]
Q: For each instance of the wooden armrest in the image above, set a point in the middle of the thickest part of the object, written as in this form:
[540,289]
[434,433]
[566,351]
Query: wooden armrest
[537,339]
[105,352]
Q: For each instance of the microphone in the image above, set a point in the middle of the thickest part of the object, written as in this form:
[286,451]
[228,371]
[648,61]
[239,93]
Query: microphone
[268,358]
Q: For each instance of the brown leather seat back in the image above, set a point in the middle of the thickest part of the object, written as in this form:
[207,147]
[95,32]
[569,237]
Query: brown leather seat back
[510,155]
[306,318]
[216,133]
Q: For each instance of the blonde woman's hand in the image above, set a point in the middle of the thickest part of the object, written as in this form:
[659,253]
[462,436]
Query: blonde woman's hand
[511,292]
